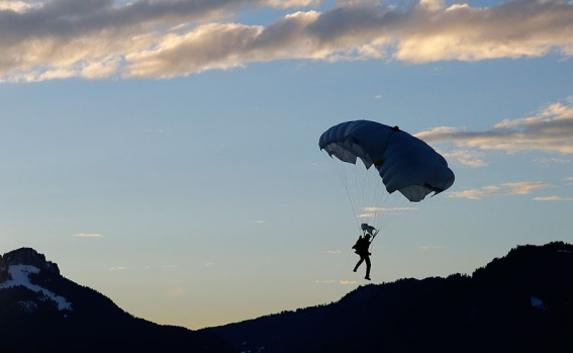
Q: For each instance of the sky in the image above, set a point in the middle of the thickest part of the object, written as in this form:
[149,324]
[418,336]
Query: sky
[166,152]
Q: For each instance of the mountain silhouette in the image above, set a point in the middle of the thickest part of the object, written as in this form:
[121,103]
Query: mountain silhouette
[43,312]
[522,302]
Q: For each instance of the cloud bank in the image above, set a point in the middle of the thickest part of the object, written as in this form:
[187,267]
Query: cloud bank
[512,188]
[93,39]
[368,212]
[552,198]
[548,130]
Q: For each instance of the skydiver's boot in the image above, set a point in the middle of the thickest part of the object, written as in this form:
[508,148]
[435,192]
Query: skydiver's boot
[367,278]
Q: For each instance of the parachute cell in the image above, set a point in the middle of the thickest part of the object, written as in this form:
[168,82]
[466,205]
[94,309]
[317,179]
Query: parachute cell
[404,162]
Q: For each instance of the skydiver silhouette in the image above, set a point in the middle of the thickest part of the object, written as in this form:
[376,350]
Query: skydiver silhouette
[362,245]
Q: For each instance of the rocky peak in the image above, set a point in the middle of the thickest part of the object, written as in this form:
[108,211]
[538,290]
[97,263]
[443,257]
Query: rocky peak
[27,256]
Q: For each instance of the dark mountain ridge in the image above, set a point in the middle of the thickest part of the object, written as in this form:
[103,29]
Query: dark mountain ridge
[522,302]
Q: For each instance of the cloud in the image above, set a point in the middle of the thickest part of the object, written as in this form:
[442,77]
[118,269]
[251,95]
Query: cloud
[170,38]
[368,212]
[418,34]
[468,158]
[475,194]
[552,198]
[117,268]
[44,40]
[15,6]
[524,187]
[513,188]
[552,160]
[285,4]
[549,130]
[87,235]
[334,252]
[569,180]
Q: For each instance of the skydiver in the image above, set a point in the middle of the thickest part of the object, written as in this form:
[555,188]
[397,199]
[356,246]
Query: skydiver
[362,245]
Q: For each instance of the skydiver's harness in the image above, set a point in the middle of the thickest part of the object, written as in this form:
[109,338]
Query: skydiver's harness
[360,248]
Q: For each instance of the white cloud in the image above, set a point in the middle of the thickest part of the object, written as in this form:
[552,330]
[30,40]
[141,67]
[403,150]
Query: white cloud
[368,212]
[524,187]
[468,158]
[512,188]
[552,198]
[334,252]
[117,268]
[170,38]
[388,209]
[260,221]
[549,130]
[87,235]
[419,34]
[475,194]
[14,5]
[285,4]
[569,180]
[552,160]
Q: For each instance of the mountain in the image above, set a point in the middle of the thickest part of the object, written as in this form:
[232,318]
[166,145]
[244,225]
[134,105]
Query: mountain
[43,312]
[522,302]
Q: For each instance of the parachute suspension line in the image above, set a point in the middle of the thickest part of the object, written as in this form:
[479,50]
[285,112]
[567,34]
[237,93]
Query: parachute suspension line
[344,180]
[374,194]
[363,179]
[380,209]
[354,212]
[381,195]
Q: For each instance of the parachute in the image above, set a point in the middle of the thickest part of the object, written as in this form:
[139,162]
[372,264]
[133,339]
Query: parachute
[404,162]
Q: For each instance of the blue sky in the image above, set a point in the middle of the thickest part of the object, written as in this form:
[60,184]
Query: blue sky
[202,198]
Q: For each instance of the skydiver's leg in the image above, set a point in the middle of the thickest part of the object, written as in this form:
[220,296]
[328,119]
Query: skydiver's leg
[359,263]
[368,266]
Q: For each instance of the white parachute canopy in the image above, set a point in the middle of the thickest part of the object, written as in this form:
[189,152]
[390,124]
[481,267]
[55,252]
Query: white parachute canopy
[404,162]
